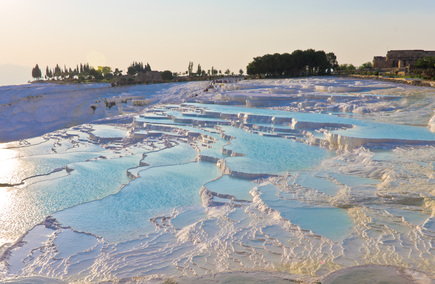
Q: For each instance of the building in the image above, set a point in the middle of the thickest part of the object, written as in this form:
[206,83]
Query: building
[399,60]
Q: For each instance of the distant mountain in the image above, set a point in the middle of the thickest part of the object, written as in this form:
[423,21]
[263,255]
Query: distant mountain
[14,74]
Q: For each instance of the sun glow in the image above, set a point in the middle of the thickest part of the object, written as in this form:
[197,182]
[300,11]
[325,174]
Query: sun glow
[9,165]
[96,58]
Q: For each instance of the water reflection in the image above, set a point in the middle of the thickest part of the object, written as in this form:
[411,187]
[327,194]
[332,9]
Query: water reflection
[9,166]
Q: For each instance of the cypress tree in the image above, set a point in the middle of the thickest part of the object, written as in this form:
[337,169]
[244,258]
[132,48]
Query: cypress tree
[36,72]
[57,71]
[147,67]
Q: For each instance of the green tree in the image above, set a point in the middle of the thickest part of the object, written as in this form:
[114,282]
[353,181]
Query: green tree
[227,72]
[117,72]
[199,70]
[106,71]
[241,72]
[367,65]
[350,68]
[213,71]
[96,74]
[147,68]
[167,75]
[347,68]
[57,71]
[36,72]
[48,73]
[425,63]
[332,60]
[298,63]
[131,71]
[138,67]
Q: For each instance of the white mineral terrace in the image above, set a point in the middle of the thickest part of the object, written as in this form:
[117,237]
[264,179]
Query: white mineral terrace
[328,174]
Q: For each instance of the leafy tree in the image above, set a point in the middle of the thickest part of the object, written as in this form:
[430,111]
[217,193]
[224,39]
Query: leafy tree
[367,65]
[117,72]
[96,74]
[199,70]
[298,63]
[348,68]
[106,71]
[425,63]
[36,72]
[332,60]
[131,71]
[167,75]
[424,68]
[241,72]
[227,72]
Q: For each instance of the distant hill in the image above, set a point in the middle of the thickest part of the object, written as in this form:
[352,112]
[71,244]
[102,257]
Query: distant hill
[14,74]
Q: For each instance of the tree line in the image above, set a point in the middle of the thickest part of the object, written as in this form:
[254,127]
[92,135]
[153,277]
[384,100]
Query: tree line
[84,72]
[210,72]
[299,63]
[81,72]
[138,67]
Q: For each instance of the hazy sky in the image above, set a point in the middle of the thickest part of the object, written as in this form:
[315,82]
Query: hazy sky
[224,34]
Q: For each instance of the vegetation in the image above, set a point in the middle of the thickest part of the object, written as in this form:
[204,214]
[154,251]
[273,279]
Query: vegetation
[138,67]
[424,68]
[190,68]
[36,72]
[298,63]
[80,73]
[367,65]
[137,73]
[167,75]
[346,69]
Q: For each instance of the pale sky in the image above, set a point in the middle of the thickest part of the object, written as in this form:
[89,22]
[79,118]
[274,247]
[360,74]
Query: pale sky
[224,34]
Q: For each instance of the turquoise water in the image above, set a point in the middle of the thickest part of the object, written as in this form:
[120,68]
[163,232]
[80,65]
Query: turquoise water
[363,129]
[388,131]
[20,168]
[126,214]
[237,187]
[40,197]
[320,183]
[179,154]
[333,223]
[270,155]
